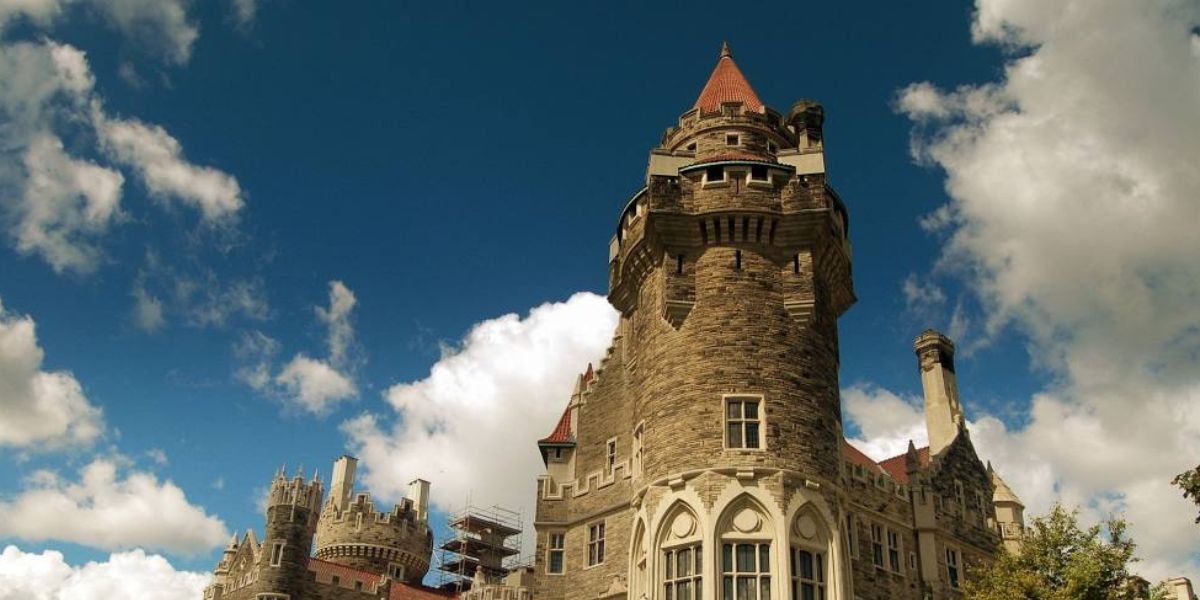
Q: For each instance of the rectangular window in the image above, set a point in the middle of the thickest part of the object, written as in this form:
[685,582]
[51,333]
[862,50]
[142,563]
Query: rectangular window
[745,572]
[713,174]
[595,543]
[808,574]
[681,573]
[637,448]
[611,456]
[732,140]
[893,543]
[554,553]
[952,566]
[877,545]
[758,173]
[960,499]
[276,554]
[851,535]
[743,422]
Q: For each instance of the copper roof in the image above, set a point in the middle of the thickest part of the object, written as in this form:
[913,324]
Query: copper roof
[727,84]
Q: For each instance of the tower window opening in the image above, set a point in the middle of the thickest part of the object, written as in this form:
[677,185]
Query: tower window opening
[774,224]
[743,422]
[737,260]
[276,554]
[745,228]
[554,554]
[611,456]
[733,139]
[732,228]
[717,229]
[704,231]
[679,264]
[758,230]
[759,173]
[714,174]
[596,544]
[691,147]
[796,264]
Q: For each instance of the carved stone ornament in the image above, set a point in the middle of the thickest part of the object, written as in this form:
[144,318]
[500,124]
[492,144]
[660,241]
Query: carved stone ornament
[747,521]
[806,527]
[683,525]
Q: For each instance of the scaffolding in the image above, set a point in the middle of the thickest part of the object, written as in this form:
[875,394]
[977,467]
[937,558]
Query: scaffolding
[487,539]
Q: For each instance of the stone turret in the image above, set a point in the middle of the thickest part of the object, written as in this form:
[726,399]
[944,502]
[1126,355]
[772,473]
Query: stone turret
[293,506]
[351,532]
[1010,513]
[943,412]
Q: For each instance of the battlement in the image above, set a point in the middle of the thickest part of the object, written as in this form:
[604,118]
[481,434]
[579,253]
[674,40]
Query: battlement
[362,514]
[295,492]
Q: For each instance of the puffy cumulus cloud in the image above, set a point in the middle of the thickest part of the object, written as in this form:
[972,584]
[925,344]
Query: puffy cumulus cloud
[158,159]
[471,425]
[309,384]
[314,385]
[133,574]
[886,421]
[105,510]
[41,409]
[162,26]
[1073,186]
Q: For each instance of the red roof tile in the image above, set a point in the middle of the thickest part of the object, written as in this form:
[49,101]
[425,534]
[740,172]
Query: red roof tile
[562,431]
[897,466]
[344,573]
[857,457]
[736,156]
[727,84]
[404,591]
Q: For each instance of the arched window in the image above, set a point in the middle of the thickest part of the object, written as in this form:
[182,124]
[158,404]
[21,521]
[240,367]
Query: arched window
[808,564]
[745,561]
[681,556]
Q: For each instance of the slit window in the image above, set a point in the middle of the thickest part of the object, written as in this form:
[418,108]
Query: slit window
[733,139]
[737,260]
[743,422]
[714,174]
[679,264]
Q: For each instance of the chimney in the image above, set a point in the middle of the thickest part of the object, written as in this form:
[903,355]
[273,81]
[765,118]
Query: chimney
[943,413]
[418,492]
[342,485]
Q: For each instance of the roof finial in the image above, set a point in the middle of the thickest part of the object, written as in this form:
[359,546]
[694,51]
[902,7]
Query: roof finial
[725,50]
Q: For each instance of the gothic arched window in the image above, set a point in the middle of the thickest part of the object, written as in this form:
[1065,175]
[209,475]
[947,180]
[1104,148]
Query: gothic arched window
[808,562]
[681,556]
[745,561]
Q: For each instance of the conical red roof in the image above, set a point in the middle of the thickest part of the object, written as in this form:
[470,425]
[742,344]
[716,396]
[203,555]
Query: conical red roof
[727,84]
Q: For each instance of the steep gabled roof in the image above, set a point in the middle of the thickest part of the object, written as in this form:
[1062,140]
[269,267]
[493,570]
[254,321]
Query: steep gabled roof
[897,466]
[727,84]
[857,457]
[562,431]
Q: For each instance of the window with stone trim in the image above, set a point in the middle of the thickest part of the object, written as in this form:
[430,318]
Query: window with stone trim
[852,534]
[595,543]
[682,568]
[759,173]
[746,571]
[714,174]
[733,139]
[808,574]
[877,545]
[636,455]
[952,567]
[610,456]
[555,552]
[893,548]
[743,422]
[276,554]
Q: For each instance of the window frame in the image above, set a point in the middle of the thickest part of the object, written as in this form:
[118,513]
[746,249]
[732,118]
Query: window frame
[596,532]
[760,421]
[731,572]
[737,140]
[560,551]
[638,449]
[610,456]
[953,567]
[277,553]
[671,578]
[895,550]
[852,534]
[707,181]
[750,178]
[819,582]
[877,557]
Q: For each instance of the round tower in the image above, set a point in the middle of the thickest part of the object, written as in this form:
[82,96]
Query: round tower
[396,544]
[292,510]
[730,269]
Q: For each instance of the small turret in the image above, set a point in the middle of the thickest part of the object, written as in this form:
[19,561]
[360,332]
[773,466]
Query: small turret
[1010,513]
[293,506]
[943,412]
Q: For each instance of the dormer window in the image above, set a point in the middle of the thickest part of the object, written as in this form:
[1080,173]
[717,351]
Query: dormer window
[714,174]
[733,139]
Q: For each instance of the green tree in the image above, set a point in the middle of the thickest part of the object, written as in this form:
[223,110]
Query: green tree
[1189,482]
[1060,561]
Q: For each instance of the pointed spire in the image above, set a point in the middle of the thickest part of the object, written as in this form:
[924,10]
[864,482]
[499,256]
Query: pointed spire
[727,84]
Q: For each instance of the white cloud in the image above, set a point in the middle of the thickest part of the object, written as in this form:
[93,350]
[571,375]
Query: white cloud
[472,424]
[105,511]
[314,385]
[41,409]
[147,310]
[1073,206]
[133,574]
[162,26]
[244,12]
[310,384]
[885,420]
[158,159]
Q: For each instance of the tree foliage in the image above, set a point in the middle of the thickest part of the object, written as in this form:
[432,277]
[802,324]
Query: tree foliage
[1060,561]
[1189,482]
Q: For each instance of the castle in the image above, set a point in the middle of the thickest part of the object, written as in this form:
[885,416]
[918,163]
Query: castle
[705,457]
[361,554]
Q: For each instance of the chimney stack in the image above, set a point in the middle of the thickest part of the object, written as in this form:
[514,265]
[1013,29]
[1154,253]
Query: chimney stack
[418,492]
[943,413]
[342,485]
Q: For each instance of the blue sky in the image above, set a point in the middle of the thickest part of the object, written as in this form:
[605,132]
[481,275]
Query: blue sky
[448,164]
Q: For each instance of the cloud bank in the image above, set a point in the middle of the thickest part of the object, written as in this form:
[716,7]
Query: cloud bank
[134,574]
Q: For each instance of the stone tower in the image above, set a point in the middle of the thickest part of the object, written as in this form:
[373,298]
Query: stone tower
[293,506]
[943,412]
[715,418]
